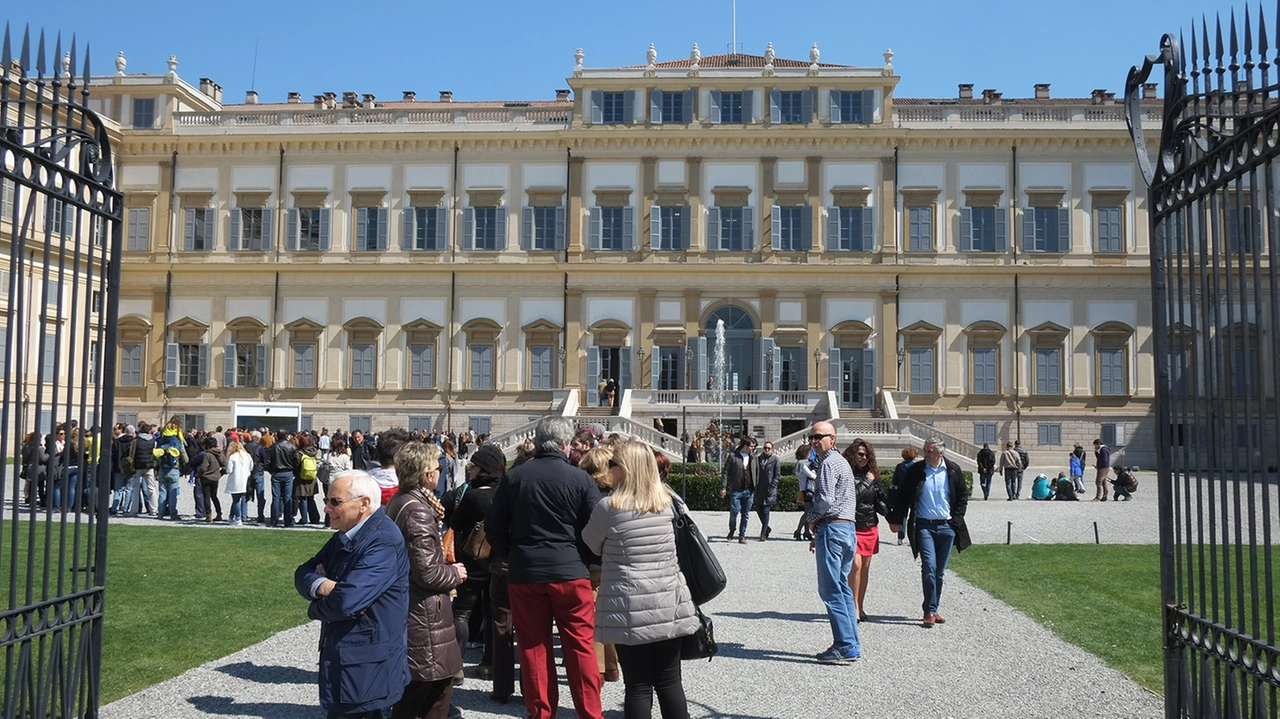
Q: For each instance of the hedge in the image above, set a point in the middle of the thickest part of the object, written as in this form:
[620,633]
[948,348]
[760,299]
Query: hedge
[703,491]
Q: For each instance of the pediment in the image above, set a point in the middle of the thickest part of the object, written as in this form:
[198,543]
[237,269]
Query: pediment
[541,325]
[189,324]
[1049,329]
[304,324]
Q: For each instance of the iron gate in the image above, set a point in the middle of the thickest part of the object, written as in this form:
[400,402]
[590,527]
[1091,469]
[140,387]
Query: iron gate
[59,229]
[1213,203]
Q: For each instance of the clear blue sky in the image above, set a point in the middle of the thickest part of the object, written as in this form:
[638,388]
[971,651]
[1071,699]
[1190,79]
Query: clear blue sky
[509,50]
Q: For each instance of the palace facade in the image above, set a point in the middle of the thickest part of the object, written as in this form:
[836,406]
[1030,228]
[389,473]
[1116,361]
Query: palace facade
[976,265]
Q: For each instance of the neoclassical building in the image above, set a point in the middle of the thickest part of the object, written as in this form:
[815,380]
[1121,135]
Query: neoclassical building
[977,263]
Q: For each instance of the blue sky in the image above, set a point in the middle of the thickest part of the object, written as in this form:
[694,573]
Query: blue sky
[522,50]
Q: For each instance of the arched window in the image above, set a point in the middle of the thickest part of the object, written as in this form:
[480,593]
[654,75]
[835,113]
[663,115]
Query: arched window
[735,318]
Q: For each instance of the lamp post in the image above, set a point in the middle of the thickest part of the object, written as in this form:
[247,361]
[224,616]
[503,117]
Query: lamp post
[688,367]
[563,368]
[817,360]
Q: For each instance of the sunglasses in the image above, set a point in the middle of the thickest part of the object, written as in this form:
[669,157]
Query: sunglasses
[818,437]
[613,463]
[860,454]
[335,502]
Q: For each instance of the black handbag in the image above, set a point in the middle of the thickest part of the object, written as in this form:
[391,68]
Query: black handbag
[702,571]
[702,643]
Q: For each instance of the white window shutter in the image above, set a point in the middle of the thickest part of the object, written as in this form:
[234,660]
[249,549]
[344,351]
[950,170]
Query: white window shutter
[325,214]
[835,107]
[1064,228]
[593,228]
[833,229]
[629,106]
[1002,231]
[775,106]
[966,229]
[210,229]
[171,364]
[597,107]
[686,108]
[655,366]
[382,217]
[655,228]
[698,375]
[362,229]
[442,229]
[229,365]
[291,233]
[624,370]
[500,221]
[468,228]
[806,106]
[408,235]
[715,107]
[686,226]
[560,228]
[526,228]
[593,376]
[806,228]
[833,374]
[189,230]
[749,229]
[868,229]
[776,379]
[748,106]
[775,227]
[260,365]
[1029,243]
[868,378]
[234,239]
[655,107]
[713,228]
[868,101]
[629,228]
[203,379]
[268,231]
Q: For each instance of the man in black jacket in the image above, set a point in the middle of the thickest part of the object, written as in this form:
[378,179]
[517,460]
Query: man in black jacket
[535,523]
[282,462]
[739,476]
[256,487]
[986,468]
[362,457]
[766,494]
[934,497]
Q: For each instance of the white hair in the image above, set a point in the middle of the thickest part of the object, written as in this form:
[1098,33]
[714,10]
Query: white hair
[362,485]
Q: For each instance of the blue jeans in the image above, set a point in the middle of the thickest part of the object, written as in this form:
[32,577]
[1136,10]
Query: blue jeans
[934,541]
[170,484]
[835,544]
[1011,482]
[984,478]
[237,507]
[72,480]
[740,503]
[258,489]
[282,498]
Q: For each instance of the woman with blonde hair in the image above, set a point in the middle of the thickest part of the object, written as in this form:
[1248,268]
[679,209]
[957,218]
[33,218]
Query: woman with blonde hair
[595,462]
[644,605]
[239,467]
[434,656]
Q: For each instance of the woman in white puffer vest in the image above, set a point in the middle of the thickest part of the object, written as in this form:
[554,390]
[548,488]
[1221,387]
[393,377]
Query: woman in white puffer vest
[644,605]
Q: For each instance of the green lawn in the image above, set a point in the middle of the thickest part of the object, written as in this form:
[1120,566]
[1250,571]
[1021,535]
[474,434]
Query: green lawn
[179,597]
[1104,599]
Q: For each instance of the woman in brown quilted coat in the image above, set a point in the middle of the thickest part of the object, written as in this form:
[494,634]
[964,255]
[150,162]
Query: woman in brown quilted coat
[434,656]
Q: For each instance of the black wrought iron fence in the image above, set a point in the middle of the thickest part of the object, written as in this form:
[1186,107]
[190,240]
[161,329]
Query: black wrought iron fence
[59,230]
[1214,256]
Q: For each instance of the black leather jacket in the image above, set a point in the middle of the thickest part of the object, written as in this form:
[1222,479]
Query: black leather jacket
[283,457]
[870,503]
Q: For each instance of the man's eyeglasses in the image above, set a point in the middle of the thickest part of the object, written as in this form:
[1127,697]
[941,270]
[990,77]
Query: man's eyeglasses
[818,437]
[336,502]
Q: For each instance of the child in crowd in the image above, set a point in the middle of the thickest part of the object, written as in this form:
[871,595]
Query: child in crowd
[1041,490]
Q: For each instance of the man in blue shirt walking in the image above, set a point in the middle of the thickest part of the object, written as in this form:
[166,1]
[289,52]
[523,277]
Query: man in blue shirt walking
[935,497]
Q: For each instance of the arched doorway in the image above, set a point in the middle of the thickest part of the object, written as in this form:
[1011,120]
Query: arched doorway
[739,343]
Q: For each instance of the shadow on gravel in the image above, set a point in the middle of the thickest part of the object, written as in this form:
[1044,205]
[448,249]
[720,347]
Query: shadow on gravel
[713,713]
[881,619]
[266,710]
[733,650]
[795,617]
[268,674]
[477,699]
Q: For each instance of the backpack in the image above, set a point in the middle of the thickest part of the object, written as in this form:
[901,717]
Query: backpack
[127,466]
[323,472]
[308,468]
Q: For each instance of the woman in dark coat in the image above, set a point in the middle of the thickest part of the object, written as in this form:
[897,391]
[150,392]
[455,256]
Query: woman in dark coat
[866,476]
[434,656]
[34,462]
[465,507]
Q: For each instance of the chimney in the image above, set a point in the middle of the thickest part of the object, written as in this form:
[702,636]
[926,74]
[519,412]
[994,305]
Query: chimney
[446,96]
[966,91]
[295,98]
[410,96]
[368,101]
[1097,96]
[989,96]
[562,95]
[331,100]
[320,102]
[1042,91]
[350,99]
[1109,97]
[251,97]
[1149,90]
[204,86]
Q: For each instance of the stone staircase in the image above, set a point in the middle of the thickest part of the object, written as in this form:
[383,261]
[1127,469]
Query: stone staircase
[597,411]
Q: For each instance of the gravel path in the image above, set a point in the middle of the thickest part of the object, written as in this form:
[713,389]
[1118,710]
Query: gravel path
[989,660]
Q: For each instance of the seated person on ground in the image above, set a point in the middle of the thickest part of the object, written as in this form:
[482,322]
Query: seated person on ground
[1041,490]
[1065,491]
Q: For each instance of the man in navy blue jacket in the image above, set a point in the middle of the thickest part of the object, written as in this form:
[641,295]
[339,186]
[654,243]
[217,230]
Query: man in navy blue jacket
[358,585]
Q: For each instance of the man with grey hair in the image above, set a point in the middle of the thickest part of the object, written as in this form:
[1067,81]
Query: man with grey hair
[358,585]
[535,523]
[934,496]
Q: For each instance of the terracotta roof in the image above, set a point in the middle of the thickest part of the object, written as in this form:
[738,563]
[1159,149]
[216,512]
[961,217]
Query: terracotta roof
[733,60]
[978,100]
[307,104]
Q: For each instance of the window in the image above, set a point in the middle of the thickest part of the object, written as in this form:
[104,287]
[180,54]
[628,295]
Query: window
[93,362]
[730,229]
[1047,229]
[733,109]
[1242,239]
[850,107]
[982,229]
[791,106]
[920,228]
[541,367]
[1244,368]
[191,421]
[422,366]
[850,229]
[669,228]
[198,230]
[50,358]
[1049,433]
[795,369]
[419,424]
[1112,374]
[193,362]
[309,229]
[304,365]
[486,228]
[245,365]
[986,433]
[1110,229]
[306,422]
[670,107]
[921,370]
[482,366]
[144,113]
[1180,371]
[544,228]
[1049,371]
[985,370]
[139,239]
[58,220]
[52,292]
[362,365]
[669,368]
[371,229]
[6,200]
[482,425]
[362,422]
[612,228]
[127,418]
[99,231]
[131,364]
[793,229]
[95,301]
[1113,434]
[426,228]
[614,107]
[250,229]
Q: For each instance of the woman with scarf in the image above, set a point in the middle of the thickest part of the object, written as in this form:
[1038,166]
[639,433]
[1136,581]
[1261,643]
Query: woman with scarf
[434,656]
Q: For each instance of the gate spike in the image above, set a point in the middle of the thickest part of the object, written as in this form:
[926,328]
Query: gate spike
[1182,55]
[1195,56]
[1262,38]
[57,57]
[40,56]
[25,60]
[85,84]
[1248,39]
[1234,44]
[5,55]
[72,64]
[1204,44]
[1217,43]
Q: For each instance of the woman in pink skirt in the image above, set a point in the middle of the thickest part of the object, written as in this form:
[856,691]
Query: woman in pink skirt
[862,458]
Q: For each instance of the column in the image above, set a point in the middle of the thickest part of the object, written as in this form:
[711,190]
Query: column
[576,193]
[889,368]
[648,306]
[768,198]
[813,323]
[575,342]
[813,180]
[648,181]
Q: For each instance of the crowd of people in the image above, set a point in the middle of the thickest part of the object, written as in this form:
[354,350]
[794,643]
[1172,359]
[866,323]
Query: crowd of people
[1012,463]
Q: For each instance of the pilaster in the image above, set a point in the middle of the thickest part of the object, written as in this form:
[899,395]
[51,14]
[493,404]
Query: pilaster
[813,180]
[648,307]
[577,202]
[768,198]
[575,342]
[813,323]
[693,178]
[648,181]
